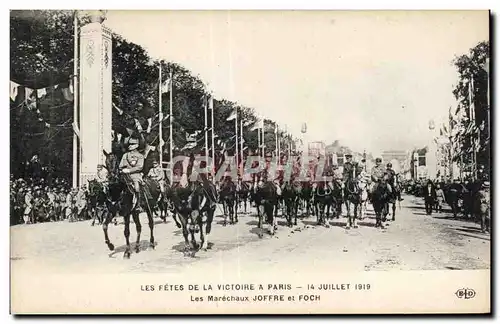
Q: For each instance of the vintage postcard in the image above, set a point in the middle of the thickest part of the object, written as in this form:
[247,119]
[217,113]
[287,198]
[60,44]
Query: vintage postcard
[250,162]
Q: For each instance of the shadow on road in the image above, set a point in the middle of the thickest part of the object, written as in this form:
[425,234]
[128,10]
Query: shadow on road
[366,224]
[143,246]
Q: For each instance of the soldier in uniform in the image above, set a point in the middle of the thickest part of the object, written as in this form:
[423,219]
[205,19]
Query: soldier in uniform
[377,173]
[102,177]
[351,169]
[81,200]
[392,175]
[28,203]
[70,204]
[132,163]
[157,173]
[51,201]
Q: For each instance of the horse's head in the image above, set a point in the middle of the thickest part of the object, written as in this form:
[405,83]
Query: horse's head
[111,163]
[94,187]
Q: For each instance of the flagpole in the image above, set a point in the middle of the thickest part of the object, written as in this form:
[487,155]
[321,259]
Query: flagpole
[160,114]
[75,100]
[278,146]
[263,138]
[205,104]
[258,140]
[473,121]
[241,140]
[213,138]
[171,85]
[236,138]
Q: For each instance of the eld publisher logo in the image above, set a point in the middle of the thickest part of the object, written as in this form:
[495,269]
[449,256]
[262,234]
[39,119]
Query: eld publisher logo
[466,293]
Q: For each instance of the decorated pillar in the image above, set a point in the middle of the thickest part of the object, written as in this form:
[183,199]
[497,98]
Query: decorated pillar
[95,95]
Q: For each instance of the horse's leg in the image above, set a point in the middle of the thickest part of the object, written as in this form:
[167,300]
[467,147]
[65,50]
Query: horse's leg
[93,215]
[194,244]
[174,216]
[138,227]
[236,214]
[260,211]
[355,222]
[126,232]
[230,210]
[210,218]
[151,227]
[394,211]
[185,233]
[349,219]
[224,207]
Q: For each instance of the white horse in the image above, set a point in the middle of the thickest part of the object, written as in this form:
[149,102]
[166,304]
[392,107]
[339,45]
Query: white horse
[363,185]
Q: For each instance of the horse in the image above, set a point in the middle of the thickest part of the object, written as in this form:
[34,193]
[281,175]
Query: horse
[120,201]
[228,197]
[291,197]
[352,195]
[323,200]
[195,203]
[242,193]
[97,201]
[380,200]
[394,196]
[265,197]
[306,196]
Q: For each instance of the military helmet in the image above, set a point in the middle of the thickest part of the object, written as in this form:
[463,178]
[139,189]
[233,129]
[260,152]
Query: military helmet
[389,165]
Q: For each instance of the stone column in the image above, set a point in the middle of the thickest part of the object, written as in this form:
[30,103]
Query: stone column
[95,97]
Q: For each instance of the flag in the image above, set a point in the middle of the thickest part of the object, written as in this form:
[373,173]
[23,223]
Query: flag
[255,126]
[165,87]
[41,92]
[118,109]
[189,146]
[232,116]
[28,98]
[67,94]
[247,123]
[211,103]
[76,130]
[13,90]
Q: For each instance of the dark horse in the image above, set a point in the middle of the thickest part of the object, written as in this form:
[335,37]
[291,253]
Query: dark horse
[266,197]
[352,195]
[195,203]
[380,200]
[394,195]
[97,202]
[242,192]
[291,197]
[120,201]
[228,197]
[323,201]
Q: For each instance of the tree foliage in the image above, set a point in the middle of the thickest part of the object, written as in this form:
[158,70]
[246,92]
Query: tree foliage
[472,124]
[42,45]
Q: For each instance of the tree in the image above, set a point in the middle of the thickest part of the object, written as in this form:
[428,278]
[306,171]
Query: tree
[473,134]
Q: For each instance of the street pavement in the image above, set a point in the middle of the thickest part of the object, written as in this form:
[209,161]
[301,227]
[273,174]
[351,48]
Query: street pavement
[414,241]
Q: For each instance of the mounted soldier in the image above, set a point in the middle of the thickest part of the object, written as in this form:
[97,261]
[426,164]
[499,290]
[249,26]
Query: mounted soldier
[131,164]
[351,169]
[392,176]
[102,177]
[377,174]
[156,173]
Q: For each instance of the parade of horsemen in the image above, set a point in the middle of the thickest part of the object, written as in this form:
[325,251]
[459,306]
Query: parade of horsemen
[140,144]
[132,182]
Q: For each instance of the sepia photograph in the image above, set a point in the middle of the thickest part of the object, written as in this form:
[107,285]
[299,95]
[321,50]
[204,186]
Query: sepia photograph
[250,162]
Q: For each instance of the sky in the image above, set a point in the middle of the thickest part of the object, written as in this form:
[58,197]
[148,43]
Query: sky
[372,80]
